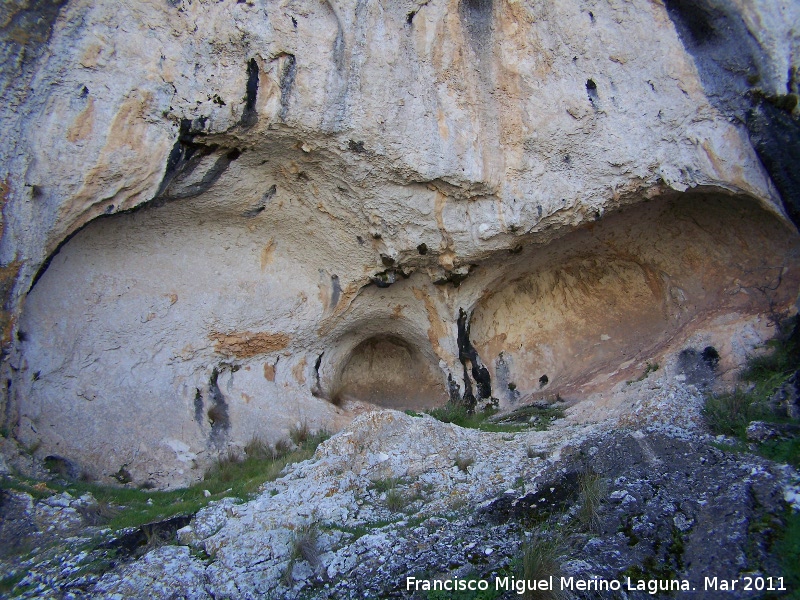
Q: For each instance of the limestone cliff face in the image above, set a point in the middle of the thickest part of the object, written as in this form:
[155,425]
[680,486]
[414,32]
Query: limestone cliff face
[223,218]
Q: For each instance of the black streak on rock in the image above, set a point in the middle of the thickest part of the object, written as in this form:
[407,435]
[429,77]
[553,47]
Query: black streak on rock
[476,15]
[726,54]
[453,389]
[198,406]
[336,291]
[469,358]
[209,178]
[256,210]
[183,159]
[218,413]
[775,135]
[249,116]
[287,76]
[727,57]
[591,90]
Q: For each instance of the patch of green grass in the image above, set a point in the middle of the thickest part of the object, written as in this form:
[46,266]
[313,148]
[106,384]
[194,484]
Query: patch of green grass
[731,413]
[123,507]
[783,451]
[518,420]
[533,416]
[458,414]
[386,484]
[358,531]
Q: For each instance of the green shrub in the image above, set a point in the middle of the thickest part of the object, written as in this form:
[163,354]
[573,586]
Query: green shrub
[731,413]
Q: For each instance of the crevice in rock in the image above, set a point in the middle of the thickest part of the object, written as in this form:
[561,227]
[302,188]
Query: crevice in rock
[316,389]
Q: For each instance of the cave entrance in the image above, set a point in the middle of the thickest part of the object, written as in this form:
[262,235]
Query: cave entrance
[388,371]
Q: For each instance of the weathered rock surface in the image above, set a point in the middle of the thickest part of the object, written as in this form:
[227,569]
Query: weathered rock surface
[393,202]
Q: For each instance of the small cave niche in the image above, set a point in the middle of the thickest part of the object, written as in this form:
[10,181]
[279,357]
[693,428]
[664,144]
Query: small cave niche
[388,371]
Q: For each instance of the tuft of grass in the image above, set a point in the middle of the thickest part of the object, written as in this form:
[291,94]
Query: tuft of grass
[395,500]
[782,451]
[300,433]
[386,484]
[305,544]
[8,583]
[591,491]
[540,560]
[258,449]
[282,448]
[225,467]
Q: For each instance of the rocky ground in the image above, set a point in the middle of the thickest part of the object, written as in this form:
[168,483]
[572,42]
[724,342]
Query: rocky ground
[395,496]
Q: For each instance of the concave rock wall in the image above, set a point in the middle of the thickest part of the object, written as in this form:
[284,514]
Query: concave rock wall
[221,219]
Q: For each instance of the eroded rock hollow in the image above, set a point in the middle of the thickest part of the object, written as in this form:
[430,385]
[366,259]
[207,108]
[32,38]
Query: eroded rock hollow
[221,219]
